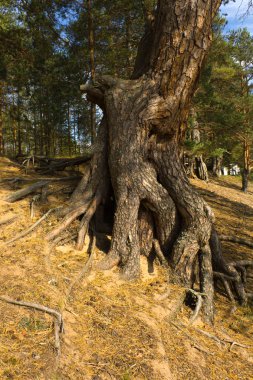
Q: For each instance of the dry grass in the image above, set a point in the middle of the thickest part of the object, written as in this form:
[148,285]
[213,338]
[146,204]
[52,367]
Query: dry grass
[113,329]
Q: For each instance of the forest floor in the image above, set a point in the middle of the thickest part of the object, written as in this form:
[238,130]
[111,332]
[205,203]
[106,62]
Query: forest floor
[114,329]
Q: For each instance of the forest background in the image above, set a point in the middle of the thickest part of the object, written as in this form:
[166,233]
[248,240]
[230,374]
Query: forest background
[49,48]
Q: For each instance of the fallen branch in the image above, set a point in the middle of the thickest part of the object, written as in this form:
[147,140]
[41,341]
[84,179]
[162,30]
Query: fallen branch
[32,227]
[58,320]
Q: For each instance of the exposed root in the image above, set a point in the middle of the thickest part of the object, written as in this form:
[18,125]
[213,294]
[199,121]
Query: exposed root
[198,304]
[86,220]
[211,336]
[86,269]
[162,297]
[222,341]
[58,320]
[190,337]
[91,190]
[159,253]
[234,239]
[35,199]
[228,290]
[32,227]
[109,262]
[7,220]
[67,221]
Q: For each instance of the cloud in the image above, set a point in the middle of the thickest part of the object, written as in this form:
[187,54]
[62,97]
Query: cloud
[236,15]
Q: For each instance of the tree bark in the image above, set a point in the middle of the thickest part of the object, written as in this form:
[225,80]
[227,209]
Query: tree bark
[144,121]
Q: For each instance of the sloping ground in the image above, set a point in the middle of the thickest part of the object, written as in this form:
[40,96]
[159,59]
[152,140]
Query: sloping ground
[113,329]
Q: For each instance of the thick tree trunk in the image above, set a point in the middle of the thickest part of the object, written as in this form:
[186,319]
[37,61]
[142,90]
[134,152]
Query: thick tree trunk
[156,208]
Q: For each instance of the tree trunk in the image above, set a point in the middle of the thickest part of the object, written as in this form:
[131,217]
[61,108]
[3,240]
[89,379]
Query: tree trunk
[217,161]
[92,68]
[245,180]
[143,125]
[19,126]
[202,172]
[246,166]
[1,118]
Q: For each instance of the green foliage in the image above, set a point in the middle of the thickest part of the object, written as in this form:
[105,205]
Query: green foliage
[44,58]
[224,100]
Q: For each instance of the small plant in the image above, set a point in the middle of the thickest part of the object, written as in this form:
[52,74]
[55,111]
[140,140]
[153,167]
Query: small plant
[32,324]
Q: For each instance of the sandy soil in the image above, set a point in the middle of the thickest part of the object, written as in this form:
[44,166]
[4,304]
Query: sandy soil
[114,329]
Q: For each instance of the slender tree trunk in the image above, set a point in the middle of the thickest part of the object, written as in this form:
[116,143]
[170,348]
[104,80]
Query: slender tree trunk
[41,135]
[92,67]
[1,118]
[246,166]
[69,130]
[19,126]
[216,170]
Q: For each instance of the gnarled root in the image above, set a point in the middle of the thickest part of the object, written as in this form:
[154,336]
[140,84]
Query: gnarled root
[233,274]
[91,191]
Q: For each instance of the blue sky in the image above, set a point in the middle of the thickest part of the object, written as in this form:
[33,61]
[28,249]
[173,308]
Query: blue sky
[236,15]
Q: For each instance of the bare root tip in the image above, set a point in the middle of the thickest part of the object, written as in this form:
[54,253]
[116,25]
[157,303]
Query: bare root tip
[108,263]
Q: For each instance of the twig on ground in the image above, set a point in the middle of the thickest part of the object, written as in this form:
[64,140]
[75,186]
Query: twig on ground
[58,320]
